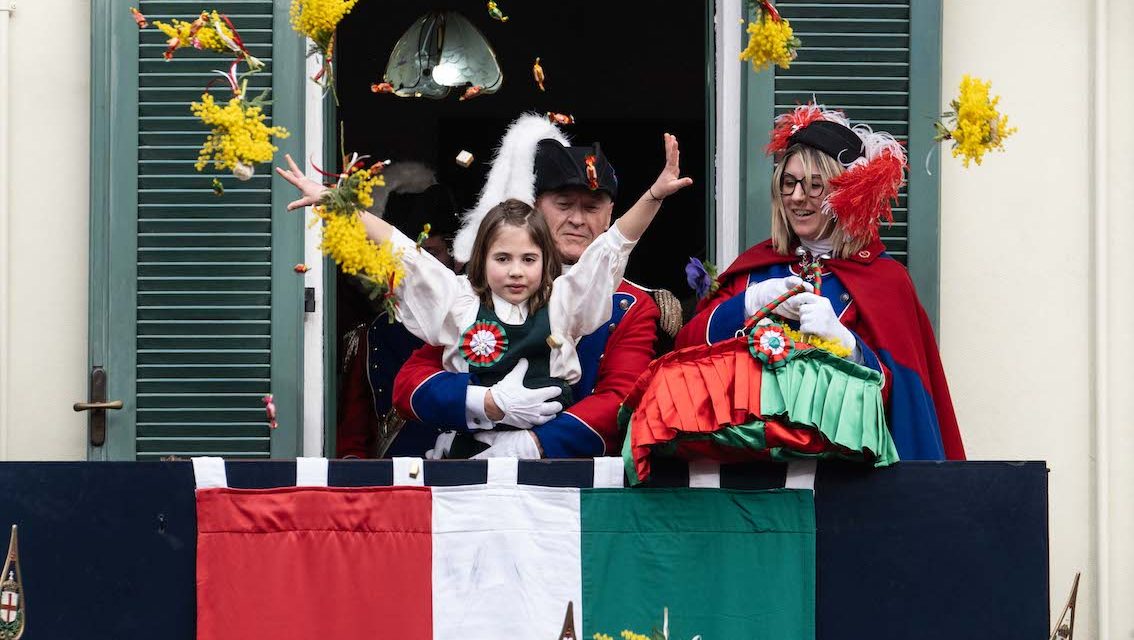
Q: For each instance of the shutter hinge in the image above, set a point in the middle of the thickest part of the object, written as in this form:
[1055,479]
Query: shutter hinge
[309,299]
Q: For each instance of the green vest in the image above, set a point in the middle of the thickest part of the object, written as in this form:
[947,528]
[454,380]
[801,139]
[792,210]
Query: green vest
[528,340]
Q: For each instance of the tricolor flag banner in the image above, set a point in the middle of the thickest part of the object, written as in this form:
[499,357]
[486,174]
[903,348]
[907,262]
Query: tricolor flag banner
[503,561]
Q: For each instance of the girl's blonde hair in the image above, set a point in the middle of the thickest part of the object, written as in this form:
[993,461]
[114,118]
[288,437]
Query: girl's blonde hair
[516,214]
[815,162]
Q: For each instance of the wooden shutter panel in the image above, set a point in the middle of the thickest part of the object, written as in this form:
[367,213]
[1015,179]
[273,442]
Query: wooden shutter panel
[209,314]
[879,60]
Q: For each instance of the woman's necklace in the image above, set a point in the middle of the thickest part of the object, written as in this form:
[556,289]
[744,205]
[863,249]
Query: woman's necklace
[810,266]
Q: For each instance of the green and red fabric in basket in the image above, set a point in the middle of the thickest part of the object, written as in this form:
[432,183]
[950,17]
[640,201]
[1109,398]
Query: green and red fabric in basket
[760,395]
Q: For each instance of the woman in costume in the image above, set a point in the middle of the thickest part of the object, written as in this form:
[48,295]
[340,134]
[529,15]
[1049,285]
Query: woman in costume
[831,187]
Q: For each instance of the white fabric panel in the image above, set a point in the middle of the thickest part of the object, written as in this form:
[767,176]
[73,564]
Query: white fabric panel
[506,561]
[409,472]
[310,472]
[608,472]
[209,473]
[503,470]
[705,474]
[801,475]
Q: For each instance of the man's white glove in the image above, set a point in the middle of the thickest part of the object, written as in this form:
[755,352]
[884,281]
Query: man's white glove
[524,408]
[761,293]
[817,317]
[508,444]
[441,447]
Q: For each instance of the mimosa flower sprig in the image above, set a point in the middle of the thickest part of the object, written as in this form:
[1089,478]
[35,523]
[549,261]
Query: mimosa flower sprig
[379,267]
[211,31]
[656,634]
[974,125]
[317,20]
[239,137]
[770,38]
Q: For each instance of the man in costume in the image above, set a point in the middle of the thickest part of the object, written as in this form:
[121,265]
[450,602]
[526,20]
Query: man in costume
[574,188]
[826,211]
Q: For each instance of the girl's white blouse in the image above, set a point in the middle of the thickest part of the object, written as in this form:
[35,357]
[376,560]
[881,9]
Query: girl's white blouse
[437,305]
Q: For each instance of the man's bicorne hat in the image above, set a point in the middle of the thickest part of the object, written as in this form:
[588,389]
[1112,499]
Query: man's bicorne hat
[534,157]
[559,167]
[875,163]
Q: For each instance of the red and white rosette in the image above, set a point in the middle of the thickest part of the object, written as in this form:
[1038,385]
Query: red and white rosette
[483,343]
[770,344]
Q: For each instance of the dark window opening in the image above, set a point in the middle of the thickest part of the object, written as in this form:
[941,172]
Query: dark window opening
[628,71]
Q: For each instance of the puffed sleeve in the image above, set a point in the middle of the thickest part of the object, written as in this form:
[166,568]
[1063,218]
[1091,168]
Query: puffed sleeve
[434,304]
[581,298]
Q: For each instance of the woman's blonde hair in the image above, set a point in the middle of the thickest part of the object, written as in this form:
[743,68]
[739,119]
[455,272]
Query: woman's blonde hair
[516,214]
[815,162]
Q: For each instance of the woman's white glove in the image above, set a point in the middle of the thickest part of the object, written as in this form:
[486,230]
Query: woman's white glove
[761,293]
[817,317]
[507,444]
[524,408]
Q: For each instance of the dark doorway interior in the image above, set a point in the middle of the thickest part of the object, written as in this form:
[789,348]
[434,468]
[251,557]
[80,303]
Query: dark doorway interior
[628,71]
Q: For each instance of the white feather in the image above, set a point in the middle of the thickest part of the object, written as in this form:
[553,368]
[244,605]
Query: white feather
[512,175]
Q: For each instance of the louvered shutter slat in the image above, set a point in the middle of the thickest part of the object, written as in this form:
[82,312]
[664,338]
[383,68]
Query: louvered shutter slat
[204,287]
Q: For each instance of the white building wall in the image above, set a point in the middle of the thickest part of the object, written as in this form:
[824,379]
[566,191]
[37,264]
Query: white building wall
[1016,261]
[1118,135]
[45,257]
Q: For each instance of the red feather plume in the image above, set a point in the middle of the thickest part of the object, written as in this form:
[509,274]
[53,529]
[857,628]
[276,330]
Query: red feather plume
[788,123]
[862,195]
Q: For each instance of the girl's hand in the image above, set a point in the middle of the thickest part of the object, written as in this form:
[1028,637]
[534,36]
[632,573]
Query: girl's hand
[311,191]
[670,181]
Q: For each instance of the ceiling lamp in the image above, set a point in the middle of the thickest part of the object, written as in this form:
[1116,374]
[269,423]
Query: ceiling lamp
[441,51]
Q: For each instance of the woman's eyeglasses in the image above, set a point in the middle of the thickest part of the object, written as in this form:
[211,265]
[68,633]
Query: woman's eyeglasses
[813,188]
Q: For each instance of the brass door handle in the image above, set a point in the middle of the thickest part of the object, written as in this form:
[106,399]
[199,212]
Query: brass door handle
[97,404]
[91,406]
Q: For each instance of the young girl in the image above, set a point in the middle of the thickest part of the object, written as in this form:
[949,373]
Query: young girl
[513,305]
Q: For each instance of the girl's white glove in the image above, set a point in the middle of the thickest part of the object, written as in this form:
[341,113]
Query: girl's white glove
[817,317]
[761,293]
[507,444]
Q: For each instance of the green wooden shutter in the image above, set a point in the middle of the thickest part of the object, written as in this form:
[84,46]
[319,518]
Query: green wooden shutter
[880,61]
[216,305]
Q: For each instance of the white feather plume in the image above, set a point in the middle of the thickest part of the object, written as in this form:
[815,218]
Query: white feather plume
[512,175]
[875,142]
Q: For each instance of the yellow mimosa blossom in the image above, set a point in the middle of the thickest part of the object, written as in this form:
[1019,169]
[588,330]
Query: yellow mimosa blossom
[346,242]
[318,19]
[975,126]
[770,41]
[831,346]
[601,636]
[344,235]
[239,137]
[630,635]
[208,32]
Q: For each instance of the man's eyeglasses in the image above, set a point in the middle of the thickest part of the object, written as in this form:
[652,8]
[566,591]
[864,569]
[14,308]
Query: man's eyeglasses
[813,187]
